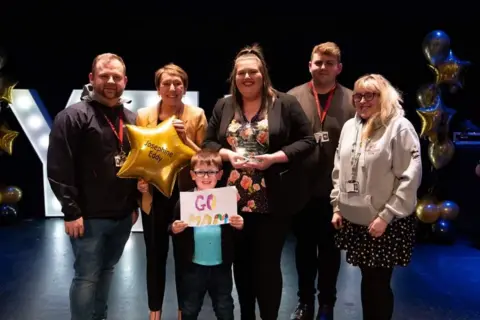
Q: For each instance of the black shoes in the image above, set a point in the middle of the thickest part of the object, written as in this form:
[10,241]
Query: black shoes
[303,311]
[325,312]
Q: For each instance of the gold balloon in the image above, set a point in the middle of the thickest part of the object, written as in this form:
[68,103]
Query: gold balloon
[427,94]
[426,210]
[449,210]
[6,139]
[157,155]
[11,194]
[431,117]
[450,71]
[440,153]
[6,91]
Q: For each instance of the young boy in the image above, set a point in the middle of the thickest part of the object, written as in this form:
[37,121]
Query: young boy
[205,254]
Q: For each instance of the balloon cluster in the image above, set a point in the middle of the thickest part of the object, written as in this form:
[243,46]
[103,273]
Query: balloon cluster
[7,84]
[9,197]
[435,115]
[436,118]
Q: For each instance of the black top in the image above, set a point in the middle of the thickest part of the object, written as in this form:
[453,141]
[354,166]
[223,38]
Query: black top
[289,130]
[184,242]
[81,166]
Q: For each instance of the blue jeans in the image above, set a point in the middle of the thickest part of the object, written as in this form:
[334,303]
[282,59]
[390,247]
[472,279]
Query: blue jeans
[96,253]
[197,280]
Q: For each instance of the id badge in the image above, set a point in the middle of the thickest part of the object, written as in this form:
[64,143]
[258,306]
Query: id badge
[120,159]
[352,186]
[321,136]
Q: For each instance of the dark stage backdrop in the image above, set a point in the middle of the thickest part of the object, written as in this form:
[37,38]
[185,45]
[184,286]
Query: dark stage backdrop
[53,54]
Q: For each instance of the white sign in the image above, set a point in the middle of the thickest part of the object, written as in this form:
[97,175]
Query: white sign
[36,122]
[208,207]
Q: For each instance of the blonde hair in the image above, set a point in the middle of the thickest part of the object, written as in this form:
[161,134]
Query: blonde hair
[329,49]
[390,100]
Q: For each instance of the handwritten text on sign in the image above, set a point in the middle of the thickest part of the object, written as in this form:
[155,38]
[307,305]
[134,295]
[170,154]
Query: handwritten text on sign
[208,207]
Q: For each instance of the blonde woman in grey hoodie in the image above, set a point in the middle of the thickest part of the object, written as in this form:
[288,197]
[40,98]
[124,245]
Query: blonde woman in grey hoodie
[376,175]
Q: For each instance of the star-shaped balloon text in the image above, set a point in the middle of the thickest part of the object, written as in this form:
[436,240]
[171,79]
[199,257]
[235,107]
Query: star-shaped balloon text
[157,155]
[7,137]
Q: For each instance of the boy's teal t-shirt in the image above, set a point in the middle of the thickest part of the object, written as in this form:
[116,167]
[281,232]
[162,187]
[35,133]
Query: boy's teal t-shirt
[208,245]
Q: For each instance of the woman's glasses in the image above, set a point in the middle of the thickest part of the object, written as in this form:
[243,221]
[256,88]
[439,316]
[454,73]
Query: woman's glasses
[202,174]
[368,96]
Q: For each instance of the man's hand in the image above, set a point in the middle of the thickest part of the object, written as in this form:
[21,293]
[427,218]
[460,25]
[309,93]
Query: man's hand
[75,228]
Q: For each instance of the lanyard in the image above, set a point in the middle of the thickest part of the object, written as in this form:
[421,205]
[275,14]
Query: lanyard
[356,153]
[119,135]
[323,114]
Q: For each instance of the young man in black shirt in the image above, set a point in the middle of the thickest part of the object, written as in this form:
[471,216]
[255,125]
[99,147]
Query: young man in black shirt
[328,105]
[88,145]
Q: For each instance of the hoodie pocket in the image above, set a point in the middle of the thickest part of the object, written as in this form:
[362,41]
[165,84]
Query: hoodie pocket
[356,208]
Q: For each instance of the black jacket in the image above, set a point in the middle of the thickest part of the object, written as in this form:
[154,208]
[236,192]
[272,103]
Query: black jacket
[80,162]
[184,242]
[290,131]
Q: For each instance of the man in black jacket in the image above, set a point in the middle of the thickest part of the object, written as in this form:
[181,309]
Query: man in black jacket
[328,105]
[88,145]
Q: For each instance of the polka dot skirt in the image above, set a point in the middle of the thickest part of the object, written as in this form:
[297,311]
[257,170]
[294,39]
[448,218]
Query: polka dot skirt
[393,248]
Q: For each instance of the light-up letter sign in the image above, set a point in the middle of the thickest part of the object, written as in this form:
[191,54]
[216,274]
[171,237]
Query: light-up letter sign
[36,122]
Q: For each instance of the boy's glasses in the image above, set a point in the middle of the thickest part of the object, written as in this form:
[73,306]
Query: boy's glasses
[202,174]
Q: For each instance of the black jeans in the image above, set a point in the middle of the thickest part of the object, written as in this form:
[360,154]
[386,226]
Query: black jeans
[257,269]
[197,280]
[316,253]
[377,295]
[157,242]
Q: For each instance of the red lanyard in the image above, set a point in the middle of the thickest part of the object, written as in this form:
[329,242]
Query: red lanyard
[119,135]
[323,114]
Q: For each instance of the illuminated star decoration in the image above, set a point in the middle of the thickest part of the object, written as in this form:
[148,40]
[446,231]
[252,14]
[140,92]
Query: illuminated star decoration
[6,139]
[157,155]
[431,117]
[450,71]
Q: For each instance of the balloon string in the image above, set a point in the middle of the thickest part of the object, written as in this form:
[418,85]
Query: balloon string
[433,189]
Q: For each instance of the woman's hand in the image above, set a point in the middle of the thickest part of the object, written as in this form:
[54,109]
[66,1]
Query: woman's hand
[178,226]
[236,222]
[337,220]
[377,227]
[238,161]
[142,186]
[180,128]
[260,162]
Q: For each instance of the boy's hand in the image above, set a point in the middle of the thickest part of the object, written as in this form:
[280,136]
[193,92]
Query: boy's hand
[178,226]
[237,222]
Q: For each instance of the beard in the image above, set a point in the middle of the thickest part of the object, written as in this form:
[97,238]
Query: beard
[110,92]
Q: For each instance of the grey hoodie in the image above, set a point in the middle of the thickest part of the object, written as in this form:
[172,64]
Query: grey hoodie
[389,172]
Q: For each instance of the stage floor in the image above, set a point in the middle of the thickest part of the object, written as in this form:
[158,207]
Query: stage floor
[443,282]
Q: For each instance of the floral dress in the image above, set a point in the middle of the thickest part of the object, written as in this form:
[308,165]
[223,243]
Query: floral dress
[249,139]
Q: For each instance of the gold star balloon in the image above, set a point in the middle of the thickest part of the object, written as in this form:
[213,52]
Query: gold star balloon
[6,139]
[6,90]
[431,117]
[157,155]
[450,71]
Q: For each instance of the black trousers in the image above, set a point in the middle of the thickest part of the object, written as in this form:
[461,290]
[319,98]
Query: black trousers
[316,252]
[377,294]
[257,270]
[157,242]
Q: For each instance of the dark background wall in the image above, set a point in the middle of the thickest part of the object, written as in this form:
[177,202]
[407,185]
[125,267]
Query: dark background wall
[52,48]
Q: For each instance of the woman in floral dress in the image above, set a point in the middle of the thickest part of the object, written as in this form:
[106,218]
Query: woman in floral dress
[261,134]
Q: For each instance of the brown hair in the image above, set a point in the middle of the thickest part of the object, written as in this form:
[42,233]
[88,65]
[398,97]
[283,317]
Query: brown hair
[173,70]
[108,57]
[268,91]
[329,49]
[206,157]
